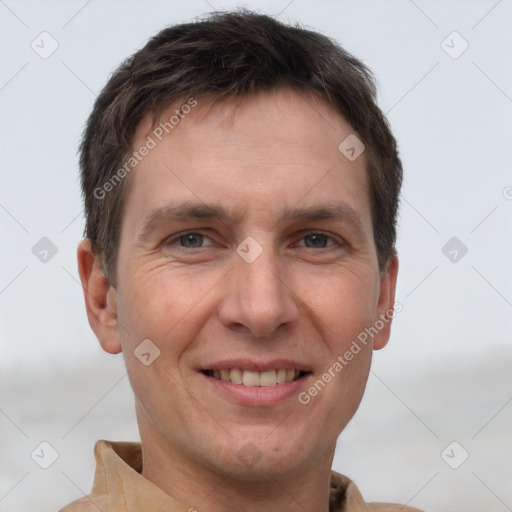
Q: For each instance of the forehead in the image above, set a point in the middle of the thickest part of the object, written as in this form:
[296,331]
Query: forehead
[265,152]
[277,118]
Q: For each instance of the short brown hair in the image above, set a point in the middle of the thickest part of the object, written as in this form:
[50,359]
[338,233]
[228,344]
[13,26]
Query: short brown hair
[224,55]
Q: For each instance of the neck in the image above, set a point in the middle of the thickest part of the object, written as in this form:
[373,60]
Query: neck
[208,489]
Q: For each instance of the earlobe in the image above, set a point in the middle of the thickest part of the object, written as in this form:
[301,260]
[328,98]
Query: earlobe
[385,307]
[100,299]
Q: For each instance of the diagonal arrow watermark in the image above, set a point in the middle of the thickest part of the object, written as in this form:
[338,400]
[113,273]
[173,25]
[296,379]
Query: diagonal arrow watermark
[494,416]
[84,494]
[424,13]
[412,88]
[485,218]
[13,279]
[13,13]
[76,14]
[491,490]
[14,218]
[420,214]
[93,406]
[14,486]
[405,404]
[486,14]
[491,285]
[14,423]
[14,76]
[423,280]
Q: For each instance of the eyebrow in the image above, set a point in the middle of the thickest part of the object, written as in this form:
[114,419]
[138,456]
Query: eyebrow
[185,211]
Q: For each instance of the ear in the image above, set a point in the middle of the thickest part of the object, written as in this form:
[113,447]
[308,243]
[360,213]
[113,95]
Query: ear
[385,306]
[100,299]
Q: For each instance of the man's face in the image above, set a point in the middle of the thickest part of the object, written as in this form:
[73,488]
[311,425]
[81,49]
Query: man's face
[285,280]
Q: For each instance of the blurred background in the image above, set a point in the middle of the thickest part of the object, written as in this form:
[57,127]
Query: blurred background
[433,430]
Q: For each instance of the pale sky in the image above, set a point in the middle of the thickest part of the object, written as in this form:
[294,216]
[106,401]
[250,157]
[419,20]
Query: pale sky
[449,101]
[445,79]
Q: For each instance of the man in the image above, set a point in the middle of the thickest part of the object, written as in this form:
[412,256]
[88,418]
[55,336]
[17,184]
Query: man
[241,190]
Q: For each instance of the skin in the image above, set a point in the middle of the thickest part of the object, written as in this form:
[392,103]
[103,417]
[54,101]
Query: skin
[205,303]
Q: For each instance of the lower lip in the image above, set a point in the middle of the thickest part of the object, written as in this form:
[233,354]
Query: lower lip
[257,396]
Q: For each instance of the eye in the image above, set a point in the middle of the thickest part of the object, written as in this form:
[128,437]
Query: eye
[318,240]
[190,240]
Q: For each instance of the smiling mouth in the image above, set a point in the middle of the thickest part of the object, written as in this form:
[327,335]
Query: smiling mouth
[256,379]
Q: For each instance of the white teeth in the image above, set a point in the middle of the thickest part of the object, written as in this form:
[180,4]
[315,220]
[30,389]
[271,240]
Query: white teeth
[256,379]
[281,376]
[251,378]
[235,376]
[268,378]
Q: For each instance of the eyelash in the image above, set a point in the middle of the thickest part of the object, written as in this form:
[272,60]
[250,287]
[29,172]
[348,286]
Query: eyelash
[176,238]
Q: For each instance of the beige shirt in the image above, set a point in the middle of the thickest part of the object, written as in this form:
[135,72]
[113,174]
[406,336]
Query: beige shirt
[120,487]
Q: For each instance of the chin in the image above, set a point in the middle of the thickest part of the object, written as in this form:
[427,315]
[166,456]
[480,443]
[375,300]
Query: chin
[267,468]
[263,457]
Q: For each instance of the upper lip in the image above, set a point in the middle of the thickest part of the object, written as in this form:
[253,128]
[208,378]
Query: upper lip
[257,366]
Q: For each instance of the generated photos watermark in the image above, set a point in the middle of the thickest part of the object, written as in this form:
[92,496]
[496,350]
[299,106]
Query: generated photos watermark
[344,359]
[152,140]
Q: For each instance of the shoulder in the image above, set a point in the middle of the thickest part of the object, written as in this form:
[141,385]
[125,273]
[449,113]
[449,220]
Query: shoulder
[345,496]
[81,505]
[105,503]
[391,507]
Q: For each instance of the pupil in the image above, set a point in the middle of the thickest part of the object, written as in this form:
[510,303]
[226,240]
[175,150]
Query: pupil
[317,240]
[191,240]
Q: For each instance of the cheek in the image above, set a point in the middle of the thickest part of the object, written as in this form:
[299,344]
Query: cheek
[148,309]
[164,305]
[350,388]
[347,304]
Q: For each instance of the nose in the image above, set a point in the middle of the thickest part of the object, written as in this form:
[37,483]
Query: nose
[257,299]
